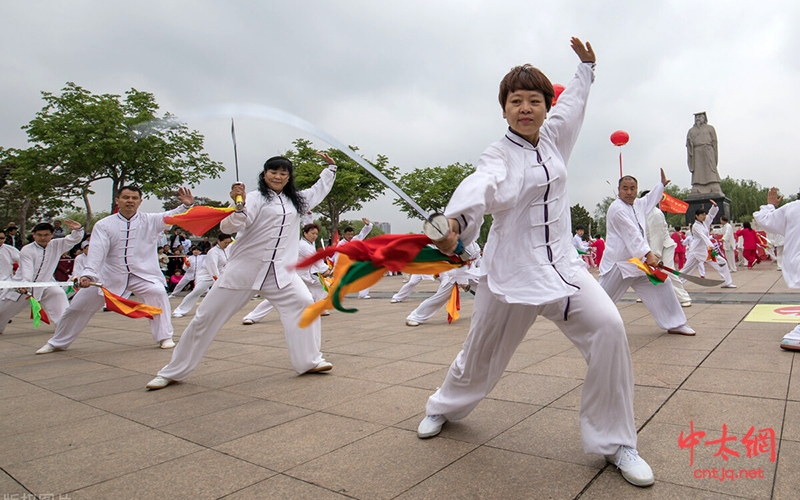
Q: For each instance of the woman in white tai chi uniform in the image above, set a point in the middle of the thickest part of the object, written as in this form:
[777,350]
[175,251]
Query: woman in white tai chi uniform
[262,259]
[697,251]
[784,221]
[532,269]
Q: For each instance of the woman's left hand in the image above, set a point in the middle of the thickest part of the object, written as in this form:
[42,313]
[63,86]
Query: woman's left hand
[585,52]
[326,157]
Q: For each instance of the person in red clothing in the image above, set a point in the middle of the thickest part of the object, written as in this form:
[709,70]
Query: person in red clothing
[599,246]
[680,249]
[750,244]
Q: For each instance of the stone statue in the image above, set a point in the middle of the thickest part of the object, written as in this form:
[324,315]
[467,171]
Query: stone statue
[701,146]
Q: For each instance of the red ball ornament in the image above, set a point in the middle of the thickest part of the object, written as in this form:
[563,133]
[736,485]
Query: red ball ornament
[620,138]
[558,88]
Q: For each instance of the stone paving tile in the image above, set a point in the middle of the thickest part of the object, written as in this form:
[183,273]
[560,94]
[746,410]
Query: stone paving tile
[710,411]
[281,487]
[386,406]
[96,463]
[65,436]
[612,486]
[176,410]
[288,445]
[203,475]
[25,414]
[786,485]
[494,473]
[533,389]
[225,425]
[382,465]
[329,391]
[10,488]
[741,382]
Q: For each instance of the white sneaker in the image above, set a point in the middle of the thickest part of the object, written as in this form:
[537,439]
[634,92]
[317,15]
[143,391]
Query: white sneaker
[394,301]
[430,426]
[159,383]
[633,467]
[177,315]
[325,313]
[365,297]
[688,303]
[247,321]
[684,329]
[167,344]
[411,322]
[48,348]
[729,285]
[323,366]
[788,344]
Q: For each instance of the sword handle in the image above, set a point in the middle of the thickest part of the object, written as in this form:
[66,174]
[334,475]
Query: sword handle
[238,200]
[437,228]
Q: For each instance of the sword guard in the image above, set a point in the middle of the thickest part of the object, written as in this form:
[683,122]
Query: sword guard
[437,228]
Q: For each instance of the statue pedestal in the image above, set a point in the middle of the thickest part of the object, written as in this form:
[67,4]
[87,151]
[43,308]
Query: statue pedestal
[704,201]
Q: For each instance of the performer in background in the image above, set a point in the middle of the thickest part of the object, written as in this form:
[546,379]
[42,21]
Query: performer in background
[123,257]
[262,259]
[701,247]
[211,267]
[348,235]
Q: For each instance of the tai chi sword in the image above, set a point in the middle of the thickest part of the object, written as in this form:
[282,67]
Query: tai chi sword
[39,284]
[694,279]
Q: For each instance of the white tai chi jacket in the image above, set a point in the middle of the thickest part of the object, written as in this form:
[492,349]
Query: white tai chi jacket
[215,261]
[121,247]
[626,233]
[37,263]
[266,236]
[8,255]
[701,240]
[785,221]
[528,257]
[309,274]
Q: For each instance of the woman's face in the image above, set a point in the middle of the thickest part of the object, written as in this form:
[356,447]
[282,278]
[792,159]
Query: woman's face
[277,179]
[312,234]
[525,111]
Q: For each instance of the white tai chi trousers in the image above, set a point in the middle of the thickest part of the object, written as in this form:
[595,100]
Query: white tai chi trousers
[720,266]
[222,303]
[593,324]
[265,307]
[668,258]
[794,334]
[183,283]
[409,286]
[188,302]
[88,301]
[432,304]
[730,257]
[659,299]
[54,302]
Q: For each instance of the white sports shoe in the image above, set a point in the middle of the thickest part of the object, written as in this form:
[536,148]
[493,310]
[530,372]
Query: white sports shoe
[323,366]
[48,348]
[430,426]
[411,322]
[633,467]
[167,344]
[159,383]
[247,322]
[682,330]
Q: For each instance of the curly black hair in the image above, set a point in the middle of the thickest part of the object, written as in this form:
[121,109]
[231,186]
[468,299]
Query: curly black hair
[290,190]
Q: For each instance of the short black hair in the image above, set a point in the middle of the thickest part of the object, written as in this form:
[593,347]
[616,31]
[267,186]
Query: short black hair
[43,226]
[627,178]
[223,236]
[580,227]
[129,187]
[349,229]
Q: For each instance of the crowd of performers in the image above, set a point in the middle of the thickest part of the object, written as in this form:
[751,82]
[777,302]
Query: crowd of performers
[531,266]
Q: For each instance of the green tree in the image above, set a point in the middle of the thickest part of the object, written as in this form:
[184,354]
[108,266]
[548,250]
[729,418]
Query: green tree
[432,188]
[80,138]
[581,217]
[746,197]
[600,212]
[353,187]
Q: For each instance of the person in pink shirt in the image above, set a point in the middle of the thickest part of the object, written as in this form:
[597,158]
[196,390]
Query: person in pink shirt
[750,240]
[599,246]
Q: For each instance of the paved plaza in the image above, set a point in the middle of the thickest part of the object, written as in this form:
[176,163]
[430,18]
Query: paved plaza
[79,424]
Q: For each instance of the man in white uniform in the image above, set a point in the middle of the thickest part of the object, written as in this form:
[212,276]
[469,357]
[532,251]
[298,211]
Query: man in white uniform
[262,259]
[662,244]
[8,257]
[532,269]
[191,266]
[37,262]
[408,287]
[728,243]
[348,235]
[212,265]
[626,239]
[784,221]
[698,250]
[123,257]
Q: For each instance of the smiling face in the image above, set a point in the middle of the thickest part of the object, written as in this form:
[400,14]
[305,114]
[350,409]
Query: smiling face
[525,111]
[627,191]
[277,179]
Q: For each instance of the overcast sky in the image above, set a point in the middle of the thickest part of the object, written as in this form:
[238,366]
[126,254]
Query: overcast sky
[417,81]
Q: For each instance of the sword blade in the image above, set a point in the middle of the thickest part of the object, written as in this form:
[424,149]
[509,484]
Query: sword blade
[34,284]
[277,115]
[694,279]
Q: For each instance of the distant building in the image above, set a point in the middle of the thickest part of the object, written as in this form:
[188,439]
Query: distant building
[386,227]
